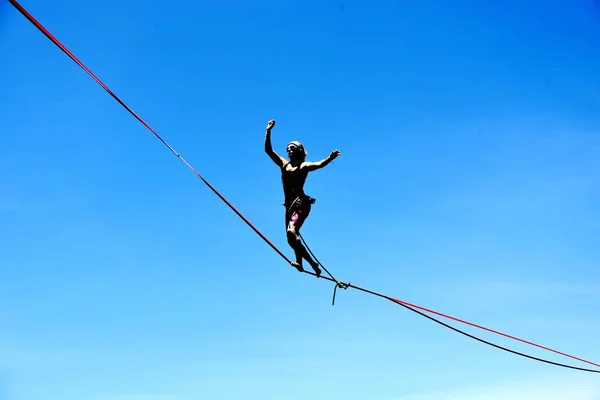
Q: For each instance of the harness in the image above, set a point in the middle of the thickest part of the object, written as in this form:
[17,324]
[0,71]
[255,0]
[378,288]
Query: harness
[300,204]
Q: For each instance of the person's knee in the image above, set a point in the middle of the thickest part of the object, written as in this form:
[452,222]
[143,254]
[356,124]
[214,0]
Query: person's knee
[292,237]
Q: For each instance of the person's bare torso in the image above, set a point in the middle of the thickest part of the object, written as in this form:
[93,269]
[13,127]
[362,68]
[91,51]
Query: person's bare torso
[293,179]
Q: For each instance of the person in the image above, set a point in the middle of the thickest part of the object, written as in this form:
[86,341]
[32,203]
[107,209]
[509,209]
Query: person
[294,172]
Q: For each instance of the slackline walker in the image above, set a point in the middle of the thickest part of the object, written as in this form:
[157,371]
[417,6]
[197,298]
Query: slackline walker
[412,307]
[294,172]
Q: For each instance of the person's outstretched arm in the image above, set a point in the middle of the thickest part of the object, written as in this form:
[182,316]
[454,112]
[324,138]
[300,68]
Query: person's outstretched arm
[313,166]
[277,159]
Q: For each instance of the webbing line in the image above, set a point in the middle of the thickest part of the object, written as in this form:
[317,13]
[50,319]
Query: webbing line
[407,305]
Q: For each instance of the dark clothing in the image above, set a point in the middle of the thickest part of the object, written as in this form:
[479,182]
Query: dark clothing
[298,210]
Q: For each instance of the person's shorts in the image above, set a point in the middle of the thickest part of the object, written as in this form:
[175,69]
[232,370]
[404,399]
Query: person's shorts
[298,211]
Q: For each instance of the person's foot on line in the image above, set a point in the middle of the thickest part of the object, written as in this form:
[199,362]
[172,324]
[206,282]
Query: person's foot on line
[298,266]
[315,266]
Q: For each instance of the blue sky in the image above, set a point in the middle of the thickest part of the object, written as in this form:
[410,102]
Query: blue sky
[468,183]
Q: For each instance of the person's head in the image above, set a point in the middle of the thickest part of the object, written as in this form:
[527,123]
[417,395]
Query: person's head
[295,151]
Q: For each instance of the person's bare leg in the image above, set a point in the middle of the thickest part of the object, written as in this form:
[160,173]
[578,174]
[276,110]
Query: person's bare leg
[300,251]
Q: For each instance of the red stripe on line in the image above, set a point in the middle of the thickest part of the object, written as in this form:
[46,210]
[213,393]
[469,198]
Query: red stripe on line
[462,321]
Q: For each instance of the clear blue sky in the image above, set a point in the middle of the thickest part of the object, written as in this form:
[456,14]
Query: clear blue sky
[468,183]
